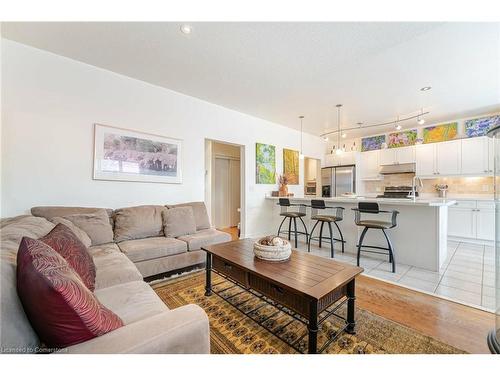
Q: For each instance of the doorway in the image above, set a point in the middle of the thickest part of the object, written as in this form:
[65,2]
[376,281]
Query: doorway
[224,186]
[312,172]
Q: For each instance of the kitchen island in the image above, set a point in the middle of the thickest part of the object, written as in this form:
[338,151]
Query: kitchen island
[420,238]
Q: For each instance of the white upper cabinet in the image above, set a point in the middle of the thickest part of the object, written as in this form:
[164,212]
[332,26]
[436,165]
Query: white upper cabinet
[475,156]
[388,156]
[368,166]
[448,157]
[426,159]
[491,160]
[345,158]
[435,159]
[405,155]
[400,155]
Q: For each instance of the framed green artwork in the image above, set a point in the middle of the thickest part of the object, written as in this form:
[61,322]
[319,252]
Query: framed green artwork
[265,164]
[291,166]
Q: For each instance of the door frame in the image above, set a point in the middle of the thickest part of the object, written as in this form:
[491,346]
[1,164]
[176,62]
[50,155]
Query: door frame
[209,176]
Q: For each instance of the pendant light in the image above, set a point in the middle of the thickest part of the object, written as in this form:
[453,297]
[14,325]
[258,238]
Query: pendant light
[420,118]
[397,126]
[301,155]
[339,150]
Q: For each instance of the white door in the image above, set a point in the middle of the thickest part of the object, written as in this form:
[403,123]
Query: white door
[405,155]
[388,156]
[448,157]
[425,159]
[461,222]
[475,156]
[221,193]
[485,224]
[234,181]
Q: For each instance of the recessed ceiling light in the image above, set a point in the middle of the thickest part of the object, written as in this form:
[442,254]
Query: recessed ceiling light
[186,29]
[359,123]
[426,88]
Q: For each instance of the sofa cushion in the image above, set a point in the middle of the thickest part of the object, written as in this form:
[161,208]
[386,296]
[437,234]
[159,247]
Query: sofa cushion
[151,248]
[82,235]
[96,225]
[113,268]
[138,222]
[132,301]
[59,306]
[16,332]
[200,213]
[67,244]
[179,221]
[204,238]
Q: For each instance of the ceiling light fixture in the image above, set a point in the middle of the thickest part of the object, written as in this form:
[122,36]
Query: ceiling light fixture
[397,125]
[301,155]
[426,88]
[344,135]
[325,139]
[420,118]
[186,29]
[339,150]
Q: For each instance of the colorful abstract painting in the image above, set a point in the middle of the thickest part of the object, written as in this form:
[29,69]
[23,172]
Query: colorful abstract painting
[403,138]
[265,163]
[479,126]
[372,143]
[440,133]
[291,166]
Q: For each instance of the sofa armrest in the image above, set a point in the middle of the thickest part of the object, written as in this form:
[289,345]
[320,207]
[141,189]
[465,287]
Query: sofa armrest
[182,330]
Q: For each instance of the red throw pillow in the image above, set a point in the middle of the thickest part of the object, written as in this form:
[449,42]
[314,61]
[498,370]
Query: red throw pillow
[61,309]
[68,245]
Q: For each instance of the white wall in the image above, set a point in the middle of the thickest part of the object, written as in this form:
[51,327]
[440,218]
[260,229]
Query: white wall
[49,106]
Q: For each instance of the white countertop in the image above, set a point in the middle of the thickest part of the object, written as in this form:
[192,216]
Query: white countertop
[433,202]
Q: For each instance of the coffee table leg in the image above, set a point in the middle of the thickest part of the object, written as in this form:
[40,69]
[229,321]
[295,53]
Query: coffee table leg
[351,298]
[312,328]
[208,280]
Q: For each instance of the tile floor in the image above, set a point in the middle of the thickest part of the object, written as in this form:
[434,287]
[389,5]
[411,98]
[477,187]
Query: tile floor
[467,275]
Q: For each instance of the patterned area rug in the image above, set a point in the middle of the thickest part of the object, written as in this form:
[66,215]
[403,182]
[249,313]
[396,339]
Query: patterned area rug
[233,332]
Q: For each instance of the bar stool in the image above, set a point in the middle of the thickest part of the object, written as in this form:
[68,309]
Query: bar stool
[292,212]
[317,208]
[373,209]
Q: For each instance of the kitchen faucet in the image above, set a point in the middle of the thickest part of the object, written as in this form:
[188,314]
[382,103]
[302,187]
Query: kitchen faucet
[413,193]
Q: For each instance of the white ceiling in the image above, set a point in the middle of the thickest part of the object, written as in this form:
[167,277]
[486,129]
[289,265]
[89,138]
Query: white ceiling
[278,71]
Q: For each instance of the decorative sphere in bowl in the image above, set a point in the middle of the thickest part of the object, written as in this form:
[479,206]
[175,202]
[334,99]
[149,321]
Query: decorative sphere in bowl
[272,248]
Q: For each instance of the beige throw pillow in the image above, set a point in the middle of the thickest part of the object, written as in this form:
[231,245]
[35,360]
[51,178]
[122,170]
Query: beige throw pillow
[82,236]
[138,222]
[179,221]
[200,213]
[96,225]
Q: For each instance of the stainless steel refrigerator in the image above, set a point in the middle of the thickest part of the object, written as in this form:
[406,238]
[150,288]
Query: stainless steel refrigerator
[338,180]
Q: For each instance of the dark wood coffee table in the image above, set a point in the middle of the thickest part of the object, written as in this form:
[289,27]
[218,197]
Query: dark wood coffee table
[306,284]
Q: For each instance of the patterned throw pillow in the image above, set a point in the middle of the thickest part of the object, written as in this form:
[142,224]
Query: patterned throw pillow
[66,243]
[61,309]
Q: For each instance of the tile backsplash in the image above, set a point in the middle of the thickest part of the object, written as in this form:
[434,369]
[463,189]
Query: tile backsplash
[457,185]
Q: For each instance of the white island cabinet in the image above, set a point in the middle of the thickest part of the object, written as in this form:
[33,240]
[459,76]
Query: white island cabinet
[420,238]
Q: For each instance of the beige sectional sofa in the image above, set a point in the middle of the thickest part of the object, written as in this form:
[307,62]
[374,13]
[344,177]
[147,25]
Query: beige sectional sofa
[136,247]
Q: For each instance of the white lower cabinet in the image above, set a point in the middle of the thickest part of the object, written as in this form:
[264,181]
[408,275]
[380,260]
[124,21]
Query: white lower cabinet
[473,220]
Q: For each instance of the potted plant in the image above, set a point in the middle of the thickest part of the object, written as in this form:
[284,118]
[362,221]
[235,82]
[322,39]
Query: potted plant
[283,182]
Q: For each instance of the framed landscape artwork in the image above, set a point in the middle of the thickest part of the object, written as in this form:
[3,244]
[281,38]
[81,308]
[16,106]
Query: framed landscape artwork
[403,138]
[291,166]
[479,126]
[372,143]
[265,164]
[127,155]
[440,133]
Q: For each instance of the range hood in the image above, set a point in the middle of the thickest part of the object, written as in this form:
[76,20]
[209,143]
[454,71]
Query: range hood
[398,168]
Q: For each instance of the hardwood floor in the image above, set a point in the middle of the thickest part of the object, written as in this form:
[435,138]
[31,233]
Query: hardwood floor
[233,231]
[460,326]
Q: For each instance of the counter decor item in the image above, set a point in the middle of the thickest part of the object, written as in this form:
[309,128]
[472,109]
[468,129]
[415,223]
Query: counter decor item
[441,189]
[283,181]
[272,248]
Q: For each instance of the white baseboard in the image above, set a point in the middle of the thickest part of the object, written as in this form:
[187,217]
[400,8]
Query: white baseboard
[471,240]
